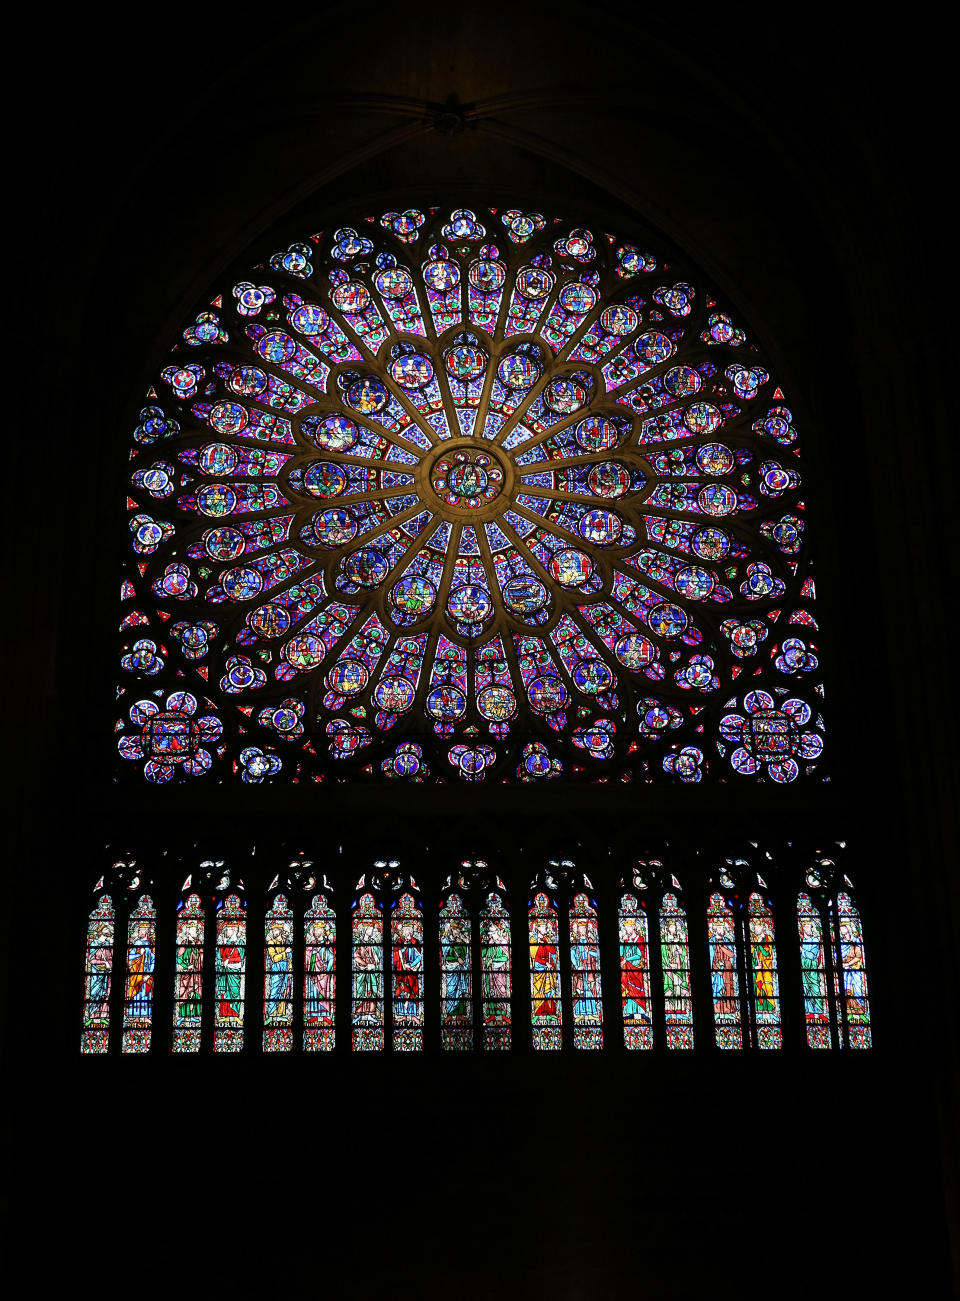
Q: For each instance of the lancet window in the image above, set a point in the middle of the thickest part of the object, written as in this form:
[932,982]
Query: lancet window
[368,1012]
[675,965]
[98,976]
[141,964]
[635,990]
[453,986]
[319,976]
[850,972]
[587,995]
[278,972]
[406,938]
[456,975]
[762,944]
[724,972]
[188,980]
[545,1006]
[813,973]
[496,972]
[230,963]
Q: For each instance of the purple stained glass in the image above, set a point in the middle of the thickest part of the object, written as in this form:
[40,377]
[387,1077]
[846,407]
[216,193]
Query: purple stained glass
[515,390]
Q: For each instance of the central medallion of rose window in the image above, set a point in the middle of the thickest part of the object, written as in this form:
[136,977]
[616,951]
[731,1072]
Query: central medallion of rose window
[467,480]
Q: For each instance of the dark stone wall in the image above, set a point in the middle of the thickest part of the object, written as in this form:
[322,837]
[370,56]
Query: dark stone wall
[800,159]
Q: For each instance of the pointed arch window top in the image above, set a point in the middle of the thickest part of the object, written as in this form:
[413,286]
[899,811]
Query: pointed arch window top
[460,496]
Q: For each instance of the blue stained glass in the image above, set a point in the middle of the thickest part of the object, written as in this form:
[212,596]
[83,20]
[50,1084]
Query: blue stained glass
[438,384]
[813,974]
[544,936]
[635,974]
[98,977]
[585,974]
[141,963]
[675,964]
[319,976]
[406,938]
[456,995]
[278,977]
[230,967]
[367,1013]
[724,975]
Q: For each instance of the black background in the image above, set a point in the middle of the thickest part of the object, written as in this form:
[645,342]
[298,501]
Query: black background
[803,159]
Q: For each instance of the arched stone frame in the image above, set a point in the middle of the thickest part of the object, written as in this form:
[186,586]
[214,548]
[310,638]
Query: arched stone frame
[877,400]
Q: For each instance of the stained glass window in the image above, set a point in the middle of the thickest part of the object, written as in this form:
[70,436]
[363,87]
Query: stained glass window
[505,498]
[367,974]
[724,977]
[850,968]
[141,963]
[98,977]
[406,935]
[763,970]
[278,977]
[545,1007]
[319,976]
[231,951]
[675,961]
[394,998]
[188,981]
[585,974]
[496,973]
[813,973]
[635,974]
[456,996]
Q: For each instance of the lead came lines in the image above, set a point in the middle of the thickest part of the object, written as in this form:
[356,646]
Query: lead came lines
[725,550]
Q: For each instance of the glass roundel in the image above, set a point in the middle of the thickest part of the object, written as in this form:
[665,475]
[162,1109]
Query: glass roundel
[472,496]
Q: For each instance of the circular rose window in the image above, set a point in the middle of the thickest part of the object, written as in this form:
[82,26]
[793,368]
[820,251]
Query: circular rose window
[499,485]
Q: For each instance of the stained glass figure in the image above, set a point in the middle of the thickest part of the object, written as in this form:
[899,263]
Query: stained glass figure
[188,979]
[278,977]
[98,976]
[141,962]
[763,971]
[319,976]
[367,1014]
[497,984]
[363,499]
[635,974]
[585,974]
[230,961]
[406,937]
[813,974]
[545,1009]
[850,964]
[456,995]
[675,961]
[724,977]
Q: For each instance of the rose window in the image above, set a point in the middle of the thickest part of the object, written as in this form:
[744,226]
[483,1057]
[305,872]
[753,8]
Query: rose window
[487,498]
